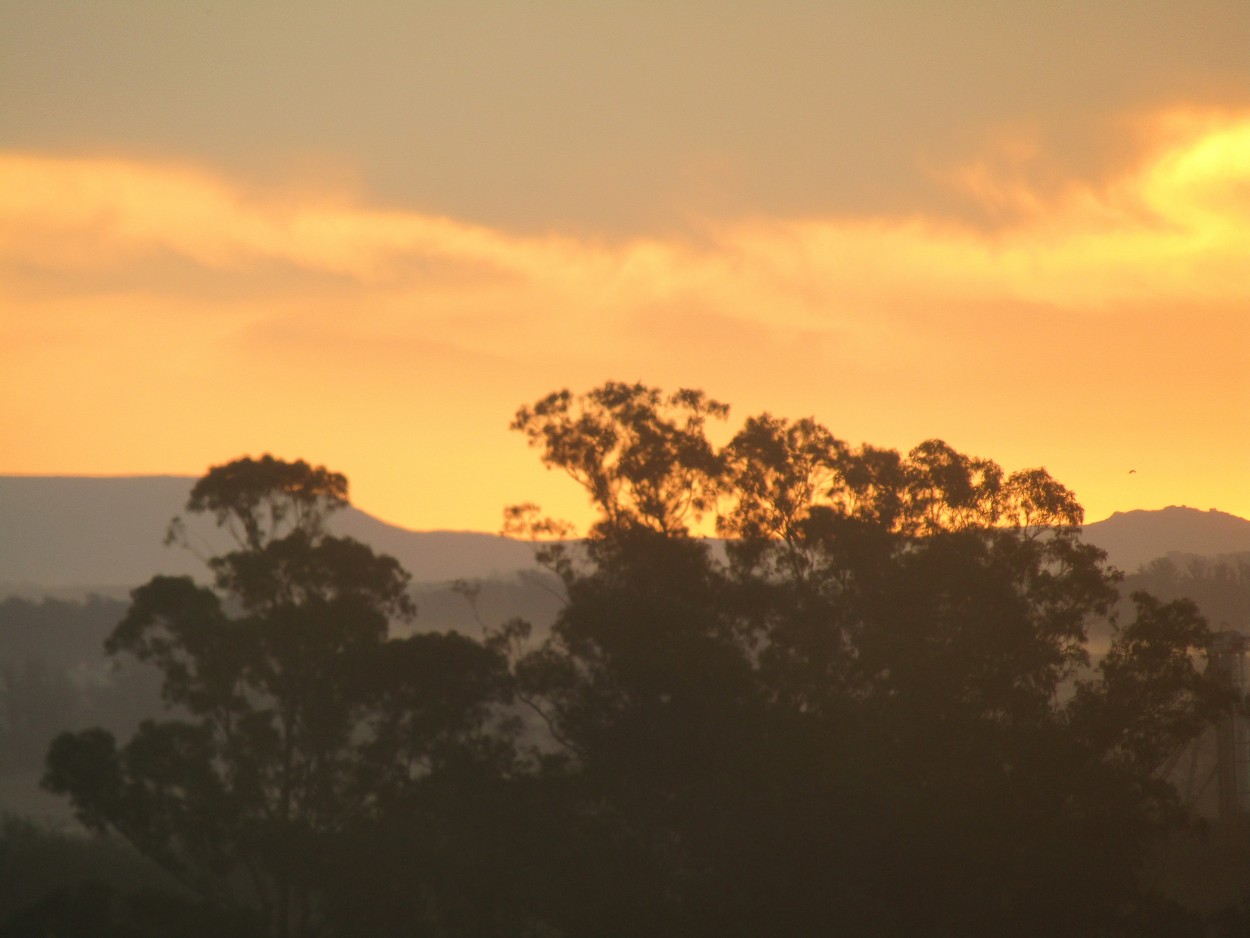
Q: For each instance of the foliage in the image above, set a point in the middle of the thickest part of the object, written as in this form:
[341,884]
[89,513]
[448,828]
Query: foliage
[872,714]
[37,860]
[53,675]
[1219,585]
[295,719]
[641,456]
[856,723]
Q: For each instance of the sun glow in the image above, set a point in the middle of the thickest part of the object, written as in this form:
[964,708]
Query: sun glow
[143,295]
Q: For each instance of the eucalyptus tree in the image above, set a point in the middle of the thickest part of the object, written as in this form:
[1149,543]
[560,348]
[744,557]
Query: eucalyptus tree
[298,724]
[857,721]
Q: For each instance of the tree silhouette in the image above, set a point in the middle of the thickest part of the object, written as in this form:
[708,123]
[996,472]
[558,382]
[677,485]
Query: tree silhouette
[641,456]
[873,713]
[297,722]
[858,722]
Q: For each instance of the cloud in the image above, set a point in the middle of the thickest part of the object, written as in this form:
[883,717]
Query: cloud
[141,292]
[85,212]
[1174,227]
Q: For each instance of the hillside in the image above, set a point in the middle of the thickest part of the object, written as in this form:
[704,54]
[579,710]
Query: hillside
[1133,538]
[73,536]
[74,533]
[60,533]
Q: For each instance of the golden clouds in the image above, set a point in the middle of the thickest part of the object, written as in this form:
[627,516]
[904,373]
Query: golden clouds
[92,212]
[1200,189]
[142,293]
[1152,233]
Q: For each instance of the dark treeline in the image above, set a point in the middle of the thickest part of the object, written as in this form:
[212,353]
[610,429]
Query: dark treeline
[54,677]
[851,724]
[1220,585]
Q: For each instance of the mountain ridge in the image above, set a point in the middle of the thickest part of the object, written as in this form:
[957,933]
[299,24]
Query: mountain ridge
[66,532]
[1138,536]
[80,531]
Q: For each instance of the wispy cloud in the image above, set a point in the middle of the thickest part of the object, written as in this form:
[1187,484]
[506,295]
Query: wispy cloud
[118,274]
[1174,227]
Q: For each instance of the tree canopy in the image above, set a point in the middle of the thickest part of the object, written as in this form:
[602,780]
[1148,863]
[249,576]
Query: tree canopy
[869,708]
[878,715]
[296,719]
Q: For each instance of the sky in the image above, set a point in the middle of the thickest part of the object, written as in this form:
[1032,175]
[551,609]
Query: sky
[364,234]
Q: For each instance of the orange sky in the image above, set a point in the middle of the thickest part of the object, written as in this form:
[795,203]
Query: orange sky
[1079,301]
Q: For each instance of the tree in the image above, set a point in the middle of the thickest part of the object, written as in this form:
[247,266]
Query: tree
[873,713]
[297,721]
[858,721]
[641,456]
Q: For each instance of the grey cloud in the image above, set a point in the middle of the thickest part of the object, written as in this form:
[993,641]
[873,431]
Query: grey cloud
[615,117]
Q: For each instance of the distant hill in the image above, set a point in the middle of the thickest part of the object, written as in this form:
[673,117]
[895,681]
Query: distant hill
[78,533]
[1133,538]
[60,533]
[69,536]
